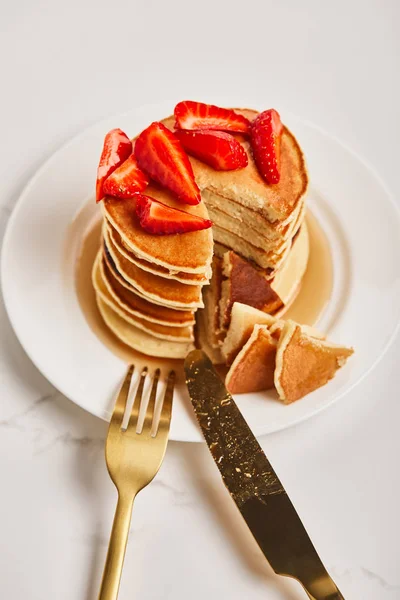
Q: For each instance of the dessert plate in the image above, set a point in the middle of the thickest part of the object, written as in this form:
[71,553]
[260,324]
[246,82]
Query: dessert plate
[44,237]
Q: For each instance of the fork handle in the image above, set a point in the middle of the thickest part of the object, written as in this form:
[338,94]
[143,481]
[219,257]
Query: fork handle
[116,549]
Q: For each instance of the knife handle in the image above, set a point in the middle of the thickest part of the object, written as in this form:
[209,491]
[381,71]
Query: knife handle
[325,590]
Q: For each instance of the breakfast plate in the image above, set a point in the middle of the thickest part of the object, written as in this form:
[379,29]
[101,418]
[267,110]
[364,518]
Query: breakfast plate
[48,308]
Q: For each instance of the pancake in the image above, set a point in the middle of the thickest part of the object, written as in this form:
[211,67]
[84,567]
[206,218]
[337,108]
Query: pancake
[141,340]
[167,332]
[136,305]
[189,252]
[187,278]
[243,320]
[262,258]
[245,284]
[303,363]
[248,188]
[258,237]
[153,287]
[253,368]
[278,230]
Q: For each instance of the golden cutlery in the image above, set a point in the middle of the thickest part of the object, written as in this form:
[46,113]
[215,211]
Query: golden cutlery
[253,483]
[133,460]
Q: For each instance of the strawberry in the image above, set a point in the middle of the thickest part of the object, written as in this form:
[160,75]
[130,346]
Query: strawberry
[266,132]
[117,147]
[196,115]
[159,219]
[216,148]
[160,154]
[126,181]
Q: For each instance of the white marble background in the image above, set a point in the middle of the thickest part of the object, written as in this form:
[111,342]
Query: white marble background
[65,65]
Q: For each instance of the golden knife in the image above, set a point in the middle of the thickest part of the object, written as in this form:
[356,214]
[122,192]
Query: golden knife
[253,483]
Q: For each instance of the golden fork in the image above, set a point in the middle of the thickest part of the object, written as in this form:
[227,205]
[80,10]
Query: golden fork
[133,460]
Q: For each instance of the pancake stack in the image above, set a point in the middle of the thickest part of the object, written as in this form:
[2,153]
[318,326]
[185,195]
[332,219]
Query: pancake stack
[148,287]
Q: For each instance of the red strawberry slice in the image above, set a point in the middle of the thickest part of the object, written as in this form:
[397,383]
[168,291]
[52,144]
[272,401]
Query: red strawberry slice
[117,147]
[159,219]
[266,133]
[126,181]
[216,148]
[160,154]
[197,115]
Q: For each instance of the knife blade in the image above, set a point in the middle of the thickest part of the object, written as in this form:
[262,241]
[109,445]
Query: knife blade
[252,482]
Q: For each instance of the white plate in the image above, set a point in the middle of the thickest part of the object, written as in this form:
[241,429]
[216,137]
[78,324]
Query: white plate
[351,203]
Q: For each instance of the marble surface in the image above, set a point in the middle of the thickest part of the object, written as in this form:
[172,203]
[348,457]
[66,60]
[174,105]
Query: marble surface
[64,66]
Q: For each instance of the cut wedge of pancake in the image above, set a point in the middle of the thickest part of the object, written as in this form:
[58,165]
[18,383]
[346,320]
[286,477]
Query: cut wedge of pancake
[187,278]
[303,363]
[253,368]
[248,188]
[281,230]
[153,287]
[261,257]
[243,320]
[141,340]
[245,284]
[139,306]
[188,253]
[166,332]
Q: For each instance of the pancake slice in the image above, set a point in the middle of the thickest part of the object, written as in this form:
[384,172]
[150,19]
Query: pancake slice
[153,287]
[280,230]
[166,332]
[254,366]
[188,253]
[139,306]
[303,363]
[141,340]
[264,259]
[245,284]
[187,278]
[243,320]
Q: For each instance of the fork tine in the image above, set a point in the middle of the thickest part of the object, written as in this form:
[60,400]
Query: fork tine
[120,403]
[165,417]
[148,420]
[133,419]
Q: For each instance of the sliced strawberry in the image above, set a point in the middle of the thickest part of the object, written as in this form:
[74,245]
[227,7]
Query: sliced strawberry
[126,181]
[216,148]
[160,154]
[266,133]
[117,147]
[159,219]
[197,115]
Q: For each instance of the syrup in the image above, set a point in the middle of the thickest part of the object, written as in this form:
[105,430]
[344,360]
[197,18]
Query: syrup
[307,308]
